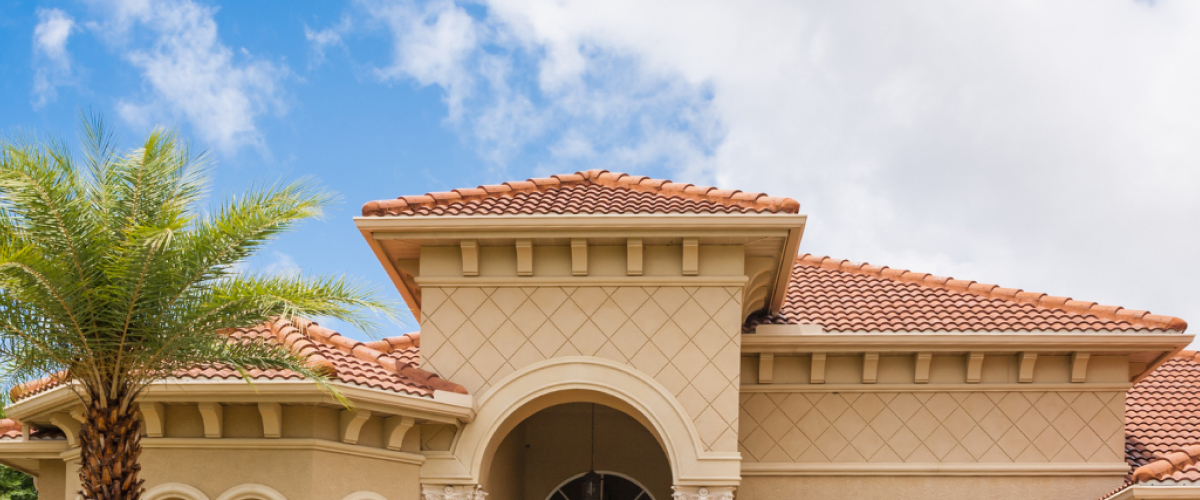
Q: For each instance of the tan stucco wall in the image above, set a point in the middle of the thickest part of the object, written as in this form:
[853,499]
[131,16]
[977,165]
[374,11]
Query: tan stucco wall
[554,445]
[297,474]
[686,337]
[926,488]
[52,479]
[964,423]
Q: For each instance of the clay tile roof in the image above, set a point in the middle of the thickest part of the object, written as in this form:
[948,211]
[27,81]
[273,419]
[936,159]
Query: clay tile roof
[1162,424]
[590,192]
[841,295]
[11,430]
[1162,416]
[389,364]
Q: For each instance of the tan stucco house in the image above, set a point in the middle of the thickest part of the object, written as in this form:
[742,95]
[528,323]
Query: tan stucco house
[675,340]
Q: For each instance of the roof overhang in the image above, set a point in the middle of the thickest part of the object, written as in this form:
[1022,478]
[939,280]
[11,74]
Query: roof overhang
[409,233]
[1147,348]
[444,407]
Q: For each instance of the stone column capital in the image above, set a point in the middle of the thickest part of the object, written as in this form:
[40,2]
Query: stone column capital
[452,492]
[702,493]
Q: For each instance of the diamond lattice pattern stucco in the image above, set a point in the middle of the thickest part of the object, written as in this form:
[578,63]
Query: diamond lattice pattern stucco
[686,338]
[933,427]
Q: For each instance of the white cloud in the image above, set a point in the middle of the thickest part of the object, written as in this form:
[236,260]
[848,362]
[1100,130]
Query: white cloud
[322,40]
[51,60]
[190,73]
[1044,145]
[431,45]
[282,264]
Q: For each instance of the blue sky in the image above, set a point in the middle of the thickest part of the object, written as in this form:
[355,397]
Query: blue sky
[1044,146]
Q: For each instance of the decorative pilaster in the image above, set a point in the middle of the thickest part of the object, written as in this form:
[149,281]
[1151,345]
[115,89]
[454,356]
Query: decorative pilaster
[702,493]
[454,492]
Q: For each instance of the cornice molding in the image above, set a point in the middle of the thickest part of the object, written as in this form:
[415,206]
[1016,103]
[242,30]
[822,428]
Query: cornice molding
[284,444]
[522,281]
[443,407]
[934,469]
[981,387]
[852,342]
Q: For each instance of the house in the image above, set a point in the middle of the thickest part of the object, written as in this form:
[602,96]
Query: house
[674,340]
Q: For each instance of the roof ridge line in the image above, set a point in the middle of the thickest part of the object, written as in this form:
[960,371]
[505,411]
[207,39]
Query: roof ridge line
[1067,304]
[1167,464]
[619,180]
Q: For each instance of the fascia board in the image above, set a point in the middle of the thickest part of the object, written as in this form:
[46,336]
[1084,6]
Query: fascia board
[571,222]
[982,341]
[32,450]
[448,408]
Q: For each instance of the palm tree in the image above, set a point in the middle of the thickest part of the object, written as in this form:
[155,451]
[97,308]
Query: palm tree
[112,277]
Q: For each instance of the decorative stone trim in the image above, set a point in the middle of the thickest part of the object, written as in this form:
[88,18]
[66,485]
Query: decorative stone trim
[453,492]
[702,493]
[172,491]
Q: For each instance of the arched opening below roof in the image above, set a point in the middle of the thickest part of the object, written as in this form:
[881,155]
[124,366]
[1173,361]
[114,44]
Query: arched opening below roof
[551,447]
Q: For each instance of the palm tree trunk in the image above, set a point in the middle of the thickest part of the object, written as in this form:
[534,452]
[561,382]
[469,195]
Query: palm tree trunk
[110,444]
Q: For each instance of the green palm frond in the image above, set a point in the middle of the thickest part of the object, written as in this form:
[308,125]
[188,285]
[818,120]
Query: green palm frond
[114,273]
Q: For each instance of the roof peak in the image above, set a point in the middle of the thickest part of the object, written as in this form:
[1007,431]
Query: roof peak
[665,187]
[1114,313]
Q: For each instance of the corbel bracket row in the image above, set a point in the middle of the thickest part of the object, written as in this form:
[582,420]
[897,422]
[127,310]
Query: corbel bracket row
[922,364]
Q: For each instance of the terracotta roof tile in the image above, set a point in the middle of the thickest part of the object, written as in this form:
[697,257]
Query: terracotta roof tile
[391,368]
[10,430]
[1162,419]
[590,192]
[841,295]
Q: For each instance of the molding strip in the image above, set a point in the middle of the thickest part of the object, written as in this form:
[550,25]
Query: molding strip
[284,444]
[942,342]
[512,281]
[933,469]
[1018,387]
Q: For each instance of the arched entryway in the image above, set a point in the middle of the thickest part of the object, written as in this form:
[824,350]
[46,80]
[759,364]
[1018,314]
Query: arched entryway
[554,446]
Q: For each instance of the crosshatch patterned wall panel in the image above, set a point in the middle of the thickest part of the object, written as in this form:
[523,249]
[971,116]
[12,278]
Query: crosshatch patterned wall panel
[686,338]
[933,427]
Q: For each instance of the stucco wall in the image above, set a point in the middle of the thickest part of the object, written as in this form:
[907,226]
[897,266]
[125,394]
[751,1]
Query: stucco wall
[297,474]
[933,427]
[686,338]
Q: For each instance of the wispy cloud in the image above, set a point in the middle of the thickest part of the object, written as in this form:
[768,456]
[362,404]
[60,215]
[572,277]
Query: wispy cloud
[51,60]
[431,44]
[190,73]
[1005,142]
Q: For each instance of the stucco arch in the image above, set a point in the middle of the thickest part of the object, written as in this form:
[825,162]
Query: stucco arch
[582,379]
[251,492]
[364,495]
[171,491]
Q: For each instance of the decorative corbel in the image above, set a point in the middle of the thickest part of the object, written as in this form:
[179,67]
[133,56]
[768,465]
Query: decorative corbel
[470,257]
[921,375]
[272,419]
[524,257]
[691,256]
[154,417]
[870,367]
[818,368]
[766,368]
[974,367]
[213,415]
[1079,362]
[1025,373]
[68,425]
[633,257]
[579,259]
[395,428]
[351,424]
